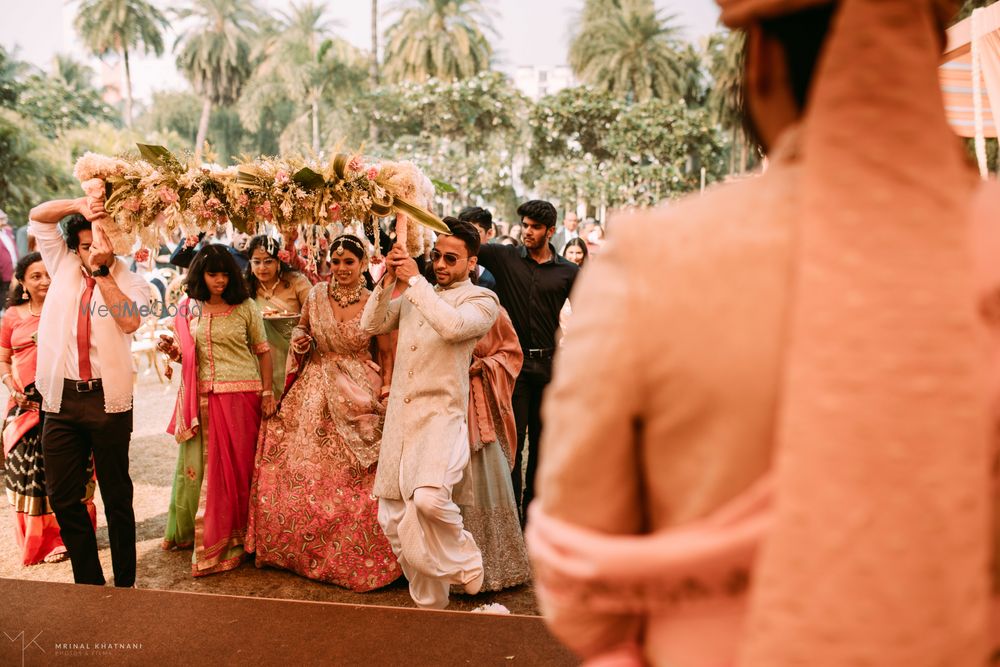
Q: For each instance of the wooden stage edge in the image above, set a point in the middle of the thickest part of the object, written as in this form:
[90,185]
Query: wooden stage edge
[43,623]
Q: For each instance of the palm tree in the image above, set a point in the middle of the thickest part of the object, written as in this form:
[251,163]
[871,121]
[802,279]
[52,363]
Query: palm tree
[303,59]
[628,48]
[725,55]
[373,68]
[121,26]
[444,39]
[77,76]
[215,53]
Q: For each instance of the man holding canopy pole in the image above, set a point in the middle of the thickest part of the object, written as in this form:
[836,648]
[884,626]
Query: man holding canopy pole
[788,459]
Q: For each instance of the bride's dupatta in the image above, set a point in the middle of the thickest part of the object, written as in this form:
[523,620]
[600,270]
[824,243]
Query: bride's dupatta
[184,423]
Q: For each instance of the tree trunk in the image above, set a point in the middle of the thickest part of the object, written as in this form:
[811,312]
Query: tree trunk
[199,142]
[128,90]
[732,152]
[744,152]
[315,119]
[373,68]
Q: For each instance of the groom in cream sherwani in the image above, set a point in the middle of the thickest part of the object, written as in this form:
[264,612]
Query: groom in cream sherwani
[425,447]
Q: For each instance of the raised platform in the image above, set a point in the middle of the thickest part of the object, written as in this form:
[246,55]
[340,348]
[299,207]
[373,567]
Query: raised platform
[45,623]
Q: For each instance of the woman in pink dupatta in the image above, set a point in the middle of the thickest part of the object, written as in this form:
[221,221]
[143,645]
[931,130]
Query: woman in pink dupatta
[35,527]
[485,495]
[220,331]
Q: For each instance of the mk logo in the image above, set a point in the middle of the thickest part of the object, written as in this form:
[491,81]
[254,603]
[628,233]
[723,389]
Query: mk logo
[25,646]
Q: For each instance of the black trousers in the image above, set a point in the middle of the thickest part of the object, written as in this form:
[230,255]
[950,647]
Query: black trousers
[69,437]
[527,402]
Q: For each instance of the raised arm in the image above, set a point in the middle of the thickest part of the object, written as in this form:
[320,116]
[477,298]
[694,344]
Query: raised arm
[470,319]
[381,314]
[43,226]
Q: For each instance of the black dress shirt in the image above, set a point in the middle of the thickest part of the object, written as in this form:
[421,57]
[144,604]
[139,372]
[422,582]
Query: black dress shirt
[532,293]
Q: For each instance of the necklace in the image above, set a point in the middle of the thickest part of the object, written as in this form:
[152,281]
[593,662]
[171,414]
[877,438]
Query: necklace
[269,291]
[31,312]
[346,297]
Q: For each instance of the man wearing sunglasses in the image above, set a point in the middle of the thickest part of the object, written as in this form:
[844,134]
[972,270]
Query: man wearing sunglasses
[425,440]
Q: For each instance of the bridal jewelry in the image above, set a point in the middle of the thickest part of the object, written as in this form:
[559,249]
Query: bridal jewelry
[269,291]
[346,297]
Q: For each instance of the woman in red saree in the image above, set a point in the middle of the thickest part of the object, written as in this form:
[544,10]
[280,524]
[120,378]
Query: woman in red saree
[223,394]
[35,526]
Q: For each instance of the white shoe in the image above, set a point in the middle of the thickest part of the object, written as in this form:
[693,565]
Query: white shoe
[476,585]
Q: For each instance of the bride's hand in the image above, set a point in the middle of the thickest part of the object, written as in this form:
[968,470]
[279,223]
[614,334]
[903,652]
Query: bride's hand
[268,406]
[300,342]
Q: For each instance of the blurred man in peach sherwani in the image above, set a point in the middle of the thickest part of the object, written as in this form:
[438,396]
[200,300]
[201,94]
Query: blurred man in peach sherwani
[774,450]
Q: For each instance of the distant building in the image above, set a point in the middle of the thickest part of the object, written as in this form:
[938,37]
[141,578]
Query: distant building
[537,82]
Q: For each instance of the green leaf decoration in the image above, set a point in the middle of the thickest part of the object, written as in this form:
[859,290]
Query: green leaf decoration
[443,187]
[424,217]
[309,179]
[161,157]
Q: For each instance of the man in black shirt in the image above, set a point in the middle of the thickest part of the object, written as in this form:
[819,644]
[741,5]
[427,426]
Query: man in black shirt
[533,283]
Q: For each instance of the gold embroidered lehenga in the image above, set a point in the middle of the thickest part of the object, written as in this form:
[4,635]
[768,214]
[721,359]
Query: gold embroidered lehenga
[312,509]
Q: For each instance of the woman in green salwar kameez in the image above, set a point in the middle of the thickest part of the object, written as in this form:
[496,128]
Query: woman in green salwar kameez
[279,292]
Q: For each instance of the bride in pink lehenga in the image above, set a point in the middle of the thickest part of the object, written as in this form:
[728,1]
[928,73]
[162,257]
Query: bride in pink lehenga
[311,508]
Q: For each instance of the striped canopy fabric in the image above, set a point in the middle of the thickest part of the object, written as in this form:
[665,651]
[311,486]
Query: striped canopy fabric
[956,75]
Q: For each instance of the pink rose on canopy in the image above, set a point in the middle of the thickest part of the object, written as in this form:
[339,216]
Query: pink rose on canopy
[132,205]
[281,178]
[323,243]
[264,210]
[243,200]
[284,256]
[167,196]
[334,212]
[142,255]
[372,173]
[93,188]
[355,164]
[213,203]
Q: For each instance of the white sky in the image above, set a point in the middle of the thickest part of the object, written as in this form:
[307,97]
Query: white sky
[531,32]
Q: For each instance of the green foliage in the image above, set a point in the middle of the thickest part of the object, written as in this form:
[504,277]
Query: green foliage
[12,71]
[214,53]
[631,49]
[442,39]
[306,67]
[30,173]
[966,9]
[589,145]
[115,26]
[55,106]
[465,133]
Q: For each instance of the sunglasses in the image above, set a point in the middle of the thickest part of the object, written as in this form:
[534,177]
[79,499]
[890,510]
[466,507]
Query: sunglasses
[450,259]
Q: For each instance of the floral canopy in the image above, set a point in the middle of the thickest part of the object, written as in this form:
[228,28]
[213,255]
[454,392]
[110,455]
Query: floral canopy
[154,191]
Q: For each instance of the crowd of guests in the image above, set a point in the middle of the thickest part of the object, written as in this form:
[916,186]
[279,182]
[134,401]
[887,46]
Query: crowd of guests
[293,386]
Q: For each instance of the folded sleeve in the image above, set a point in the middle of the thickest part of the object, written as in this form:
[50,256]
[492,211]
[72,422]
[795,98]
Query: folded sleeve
[50,244]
